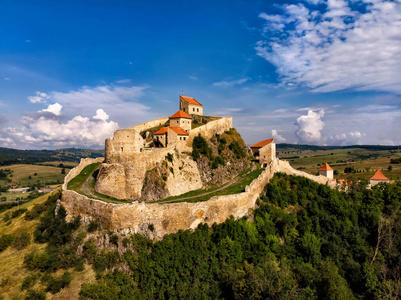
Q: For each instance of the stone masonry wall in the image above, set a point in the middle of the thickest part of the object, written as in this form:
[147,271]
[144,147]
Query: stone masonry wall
[209,129]
[169,218]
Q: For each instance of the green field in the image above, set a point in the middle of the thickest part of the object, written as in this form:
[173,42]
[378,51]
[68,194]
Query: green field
[364,161]
[25,175]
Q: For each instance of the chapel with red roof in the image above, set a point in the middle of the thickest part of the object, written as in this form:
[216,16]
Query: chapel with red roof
[327,171]
[378,177]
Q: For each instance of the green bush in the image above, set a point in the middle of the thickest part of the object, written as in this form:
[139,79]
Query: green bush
[35,295]
[18,212]
[114,239]
[93,226]
[21,241]
[237,149]
[169,157]
[200,147]
[29,282]
[55,284]
[90,250]
[5,241]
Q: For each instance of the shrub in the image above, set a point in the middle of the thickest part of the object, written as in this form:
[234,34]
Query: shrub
[5,241]
[237,149]
[90,250]
[18,212]
[35,295]
[217,161]
[114,239]
[169,157]
[21,241]
[93,226]
[56,284]
[29,282]
[151,227]
[200,147]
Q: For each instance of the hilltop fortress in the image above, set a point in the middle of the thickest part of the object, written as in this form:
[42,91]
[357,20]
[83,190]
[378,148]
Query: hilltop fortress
[154,160]
[134,151]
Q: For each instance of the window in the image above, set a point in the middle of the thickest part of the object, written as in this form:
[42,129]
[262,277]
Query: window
[197,109]
[122,149]
[180,138]
[193,109]
[183,108]
[184,138]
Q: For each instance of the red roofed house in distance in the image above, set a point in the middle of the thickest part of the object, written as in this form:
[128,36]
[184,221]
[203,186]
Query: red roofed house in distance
[378,177]
[264,151]
[327,171]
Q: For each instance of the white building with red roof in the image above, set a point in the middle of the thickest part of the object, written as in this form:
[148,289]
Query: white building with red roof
[327,171]
[167,136]
[182,120]
[264,151]
[190,106]
[378,177]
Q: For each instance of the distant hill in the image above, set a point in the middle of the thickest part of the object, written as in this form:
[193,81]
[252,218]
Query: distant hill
[313,147]
[10,156]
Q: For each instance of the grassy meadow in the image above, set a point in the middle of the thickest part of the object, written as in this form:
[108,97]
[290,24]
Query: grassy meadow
[12,270]
[364,161]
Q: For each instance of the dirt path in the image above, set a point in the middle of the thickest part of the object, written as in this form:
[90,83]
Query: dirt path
[208,193]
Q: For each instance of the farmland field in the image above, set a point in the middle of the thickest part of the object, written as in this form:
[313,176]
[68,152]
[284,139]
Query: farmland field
[364,161]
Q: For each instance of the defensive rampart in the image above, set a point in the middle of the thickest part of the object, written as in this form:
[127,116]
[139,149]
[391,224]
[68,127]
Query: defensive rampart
[208,130]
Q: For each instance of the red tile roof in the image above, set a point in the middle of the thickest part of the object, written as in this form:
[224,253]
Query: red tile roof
[177,130]
[379,176]
[262,143]
[180,114]
[161,131]
[190,100]
[326,167]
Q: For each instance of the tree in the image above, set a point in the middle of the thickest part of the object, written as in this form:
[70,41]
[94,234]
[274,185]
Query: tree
[390,168]
[62,171]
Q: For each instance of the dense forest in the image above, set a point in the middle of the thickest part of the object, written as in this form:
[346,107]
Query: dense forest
[303,241]
[10,156]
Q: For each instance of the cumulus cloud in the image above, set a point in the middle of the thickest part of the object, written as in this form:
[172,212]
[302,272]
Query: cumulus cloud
[54,109]
[45,130]
[121,103]
[231,83]
[309,127]
[336,44]
[343,139]
[277,137]
[39,97]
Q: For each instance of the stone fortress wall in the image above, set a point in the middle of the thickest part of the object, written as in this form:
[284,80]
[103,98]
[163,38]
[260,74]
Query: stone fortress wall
[172,217]
[127,160]
[208,130]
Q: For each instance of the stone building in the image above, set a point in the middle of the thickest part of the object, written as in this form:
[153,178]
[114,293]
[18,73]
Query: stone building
[168,136]
[182,120]
[191,106]
[378,177]
[264,151]
[327,171]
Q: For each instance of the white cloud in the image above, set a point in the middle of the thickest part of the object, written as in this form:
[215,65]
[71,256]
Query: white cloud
[277,137]
[192,77]
[335,46]
[309,127]
[231,83]
[343,139]
[78,131]
[38,98]
[54,109]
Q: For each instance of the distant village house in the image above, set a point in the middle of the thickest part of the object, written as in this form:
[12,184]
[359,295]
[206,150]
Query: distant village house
[378,177]
[327,171]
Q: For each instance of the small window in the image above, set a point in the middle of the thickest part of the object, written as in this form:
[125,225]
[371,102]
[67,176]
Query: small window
[193,109]
[197,109]
[183,108]
[184,138]
[122,149]
[180,138]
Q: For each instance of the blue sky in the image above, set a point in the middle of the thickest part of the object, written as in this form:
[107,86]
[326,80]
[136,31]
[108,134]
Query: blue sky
[307,72]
